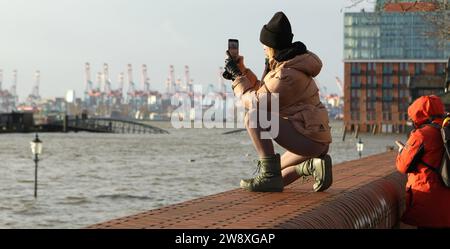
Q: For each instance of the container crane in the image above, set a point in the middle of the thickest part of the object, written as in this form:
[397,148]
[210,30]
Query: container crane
[119,91]
[340,85]
[34,96]
[178,87]
[171,80]
[88,83]
[188,81]
[13,91]
[145,80]
[131,86]
[106,80]
[96,91]
[116,95]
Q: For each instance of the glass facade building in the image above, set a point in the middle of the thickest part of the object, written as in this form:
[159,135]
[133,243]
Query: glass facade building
[392,35]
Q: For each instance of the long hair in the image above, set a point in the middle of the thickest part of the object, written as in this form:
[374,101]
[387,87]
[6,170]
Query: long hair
[270,54]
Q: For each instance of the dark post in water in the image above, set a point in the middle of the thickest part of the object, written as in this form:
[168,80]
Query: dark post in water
[36,149]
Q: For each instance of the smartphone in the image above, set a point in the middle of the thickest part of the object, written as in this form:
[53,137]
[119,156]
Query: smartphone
[399,144]
[233,48]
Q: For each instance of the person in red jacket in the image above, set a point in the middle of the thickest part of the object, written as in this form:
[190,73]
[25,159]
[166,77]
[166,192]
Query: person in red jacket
[427,199]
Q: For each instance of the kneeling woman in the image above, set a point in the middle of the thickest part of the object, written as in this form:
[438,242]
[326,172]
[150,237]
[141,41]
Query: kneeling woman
[303,120]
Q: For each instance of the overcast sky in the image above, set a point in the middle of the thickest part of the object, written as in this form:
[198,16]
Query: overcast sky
[58,36]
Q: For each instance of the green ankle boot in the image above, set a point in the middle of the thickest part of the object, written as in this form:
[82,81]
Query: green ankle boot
[320,169]
[269,178]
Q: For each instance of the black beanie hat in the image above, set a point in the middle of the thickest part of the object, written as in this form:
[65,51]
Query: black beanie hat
[277,33]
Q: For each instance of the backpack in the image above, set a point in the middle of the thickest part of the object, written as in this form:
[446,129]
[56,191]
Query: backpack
[444,169]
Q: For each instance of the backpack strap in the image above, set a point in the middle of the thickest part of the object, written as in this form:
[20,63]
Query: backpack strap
[445,117]
[432,125]
[434,169]
[429,166]
[446,120]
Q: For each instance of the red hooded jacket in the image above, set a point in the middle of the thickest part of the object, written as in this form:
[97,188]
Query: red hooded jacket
[427,199]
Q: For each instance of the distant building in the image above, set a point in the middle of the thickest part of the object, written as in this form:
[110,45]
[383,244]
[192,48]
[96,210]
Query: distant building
[16,122]
[389,61]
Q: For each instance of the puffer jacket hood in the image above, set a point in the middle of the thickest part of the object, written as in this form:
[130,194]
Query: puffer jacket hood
[296,48]
[425,108]
[308,63]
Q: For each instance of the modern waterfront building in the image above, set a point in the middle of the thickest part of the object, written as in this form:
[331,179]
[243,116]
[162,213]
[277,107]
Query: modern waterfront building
[391,57]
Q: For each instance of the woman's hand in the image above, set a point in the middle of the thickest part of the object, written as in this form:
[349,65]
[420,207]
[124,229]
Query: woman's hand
[240,63]
[232,70]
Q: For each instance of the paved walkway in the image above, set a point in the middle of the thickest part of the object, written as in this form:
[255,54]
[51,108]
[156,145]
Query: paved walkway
[366,193]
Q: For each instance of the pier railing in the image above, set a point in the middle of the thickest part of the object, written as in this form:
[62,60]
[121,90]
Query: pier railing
[104,125]
[114,125]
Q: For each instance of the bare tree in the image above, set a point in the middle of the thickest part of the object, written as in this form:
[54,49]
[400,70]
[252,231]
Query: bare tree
[440,20]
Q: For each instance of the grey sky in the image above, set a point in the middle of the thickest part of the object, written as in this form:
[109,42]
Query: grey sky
[59,36]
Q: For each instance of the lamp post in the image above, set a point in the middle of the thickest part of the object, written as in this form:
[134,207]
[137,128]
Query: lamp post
[36,149]
[360,147]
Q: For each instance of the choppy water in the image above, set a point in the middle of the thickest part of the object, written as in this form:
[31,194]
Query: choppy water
[88,178]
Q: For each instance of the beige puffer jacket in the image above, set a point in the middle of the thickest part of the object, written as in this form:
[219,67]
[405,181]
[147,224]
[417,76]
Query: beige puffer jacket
[298,94]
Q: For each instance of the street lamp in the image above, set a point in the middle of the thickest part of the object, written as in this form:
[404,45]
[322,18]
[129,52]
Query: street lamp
[360,147]
[36,149]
